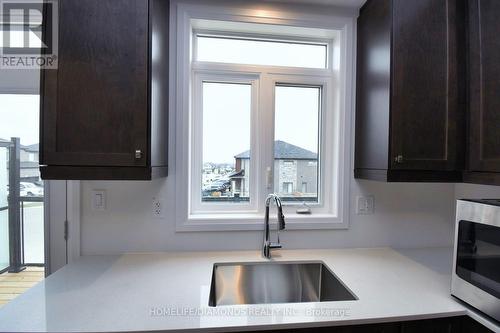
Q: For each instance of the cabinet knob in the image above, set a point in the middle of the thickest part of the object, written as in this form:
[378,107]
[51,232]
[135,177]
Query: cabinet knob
[138,154]
[399,159]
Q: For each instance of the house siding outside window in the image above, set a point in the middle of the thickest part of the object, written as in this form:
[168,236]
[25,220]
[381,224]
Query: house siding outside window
[296,165]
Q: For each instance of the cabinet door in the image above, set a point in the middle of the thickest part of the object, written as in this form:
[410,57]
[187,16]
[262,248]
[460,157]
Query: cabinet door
[484,85]
[95,105]
[427,110]
[373,85]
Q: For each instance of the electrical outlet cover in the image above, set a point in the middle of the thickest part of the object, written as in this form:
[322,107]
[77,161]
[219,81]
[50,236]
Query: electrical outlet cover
[98,200]
[157,208]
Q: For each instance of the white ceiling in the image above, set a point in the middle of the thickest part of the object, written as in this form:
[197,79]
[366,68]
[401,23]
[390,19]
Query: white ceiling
[337,3]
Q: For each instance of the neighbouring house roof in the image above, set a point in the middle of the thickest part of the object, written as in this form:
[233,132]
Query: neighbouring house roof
[29,165]
[237,174]
[32,148]
[284,150]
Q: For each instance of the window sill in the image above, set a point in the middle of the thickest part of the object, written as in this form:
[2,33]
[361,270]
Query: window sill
[255,222]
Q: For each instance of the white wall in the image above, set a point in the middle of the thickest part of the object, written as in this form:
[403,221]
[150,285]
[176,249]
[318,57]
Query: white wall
[470,191]
[407,215]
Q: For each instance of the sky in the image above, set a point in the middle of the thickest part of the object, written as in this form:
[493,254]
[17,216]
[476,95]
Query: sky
[226,121]
[297,116]
[19,117]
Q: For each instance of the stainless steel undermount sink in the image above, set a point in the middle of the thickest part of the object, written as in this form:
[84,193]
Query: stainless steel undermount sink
[275,282]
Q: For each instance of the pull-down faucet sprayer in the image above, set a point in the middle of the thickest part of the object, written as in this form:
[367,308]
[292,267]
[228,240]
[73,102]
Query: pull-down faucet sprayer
[267,245]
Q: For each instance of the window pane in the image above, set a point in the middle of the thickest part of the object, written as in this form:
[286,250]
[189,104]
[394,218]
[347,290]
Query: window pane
[261,52]
[297,142]
[226,142]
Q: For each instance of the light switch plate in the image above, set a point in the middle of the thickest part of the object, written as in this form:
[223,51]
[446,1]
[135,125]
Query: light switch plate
[98,200]
[365,205]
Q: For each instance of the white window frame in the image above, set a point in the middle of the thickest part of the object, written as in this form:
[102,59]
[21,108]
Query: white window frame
[327,144]
[196,204]
[265,37]
[184,20]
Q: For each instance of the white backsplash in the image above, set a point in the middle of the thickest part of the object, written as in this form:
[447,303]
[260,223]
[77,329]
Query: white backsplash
[406,216]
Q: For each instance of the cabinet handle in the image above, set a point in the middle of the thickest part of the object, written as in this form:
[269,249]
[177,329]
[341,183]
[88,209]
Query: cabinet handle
[399,159]
[138,154]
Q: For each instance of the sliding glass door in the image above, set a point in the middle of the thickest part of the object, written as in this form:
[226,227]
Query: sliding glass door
[21,188]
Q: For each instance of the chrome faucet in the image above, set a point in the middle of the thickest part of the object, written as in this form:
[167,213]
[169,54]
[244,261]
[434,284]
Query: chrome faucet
[267,245]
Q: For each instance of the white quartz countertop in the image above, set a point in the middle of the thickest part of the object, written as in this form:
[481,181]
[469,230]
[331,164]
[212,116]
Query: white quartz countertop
[169,292]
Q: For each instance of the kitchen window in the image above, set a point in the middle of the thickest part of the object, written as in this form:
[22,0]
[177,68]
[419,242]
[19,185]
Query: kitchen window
[239,49]
[263,115]
[255,132]
[298,110]
[226,129]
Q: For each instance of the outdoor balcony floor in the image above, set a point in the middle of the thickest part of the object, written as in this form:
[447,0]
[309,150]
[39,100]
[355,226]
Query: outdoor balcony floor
[14,284]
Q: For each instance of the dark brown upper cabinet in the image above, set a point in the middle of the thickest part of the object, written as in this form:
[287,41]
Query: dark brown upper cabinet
[484,92]
[104,111]
[410,107]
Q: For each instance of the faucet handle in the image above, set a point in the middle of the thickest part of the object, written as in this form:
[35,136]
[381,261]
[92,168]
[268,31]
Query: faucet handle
[275,246]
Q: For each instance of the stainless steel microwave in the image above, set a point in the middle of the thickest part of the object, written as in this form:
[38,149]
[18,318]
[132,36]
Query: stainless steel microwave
[476,261]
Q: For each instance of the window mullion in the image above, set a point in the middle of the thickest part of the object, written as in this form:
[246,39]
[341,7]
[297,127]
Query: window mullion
[255,145]
[267,136]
